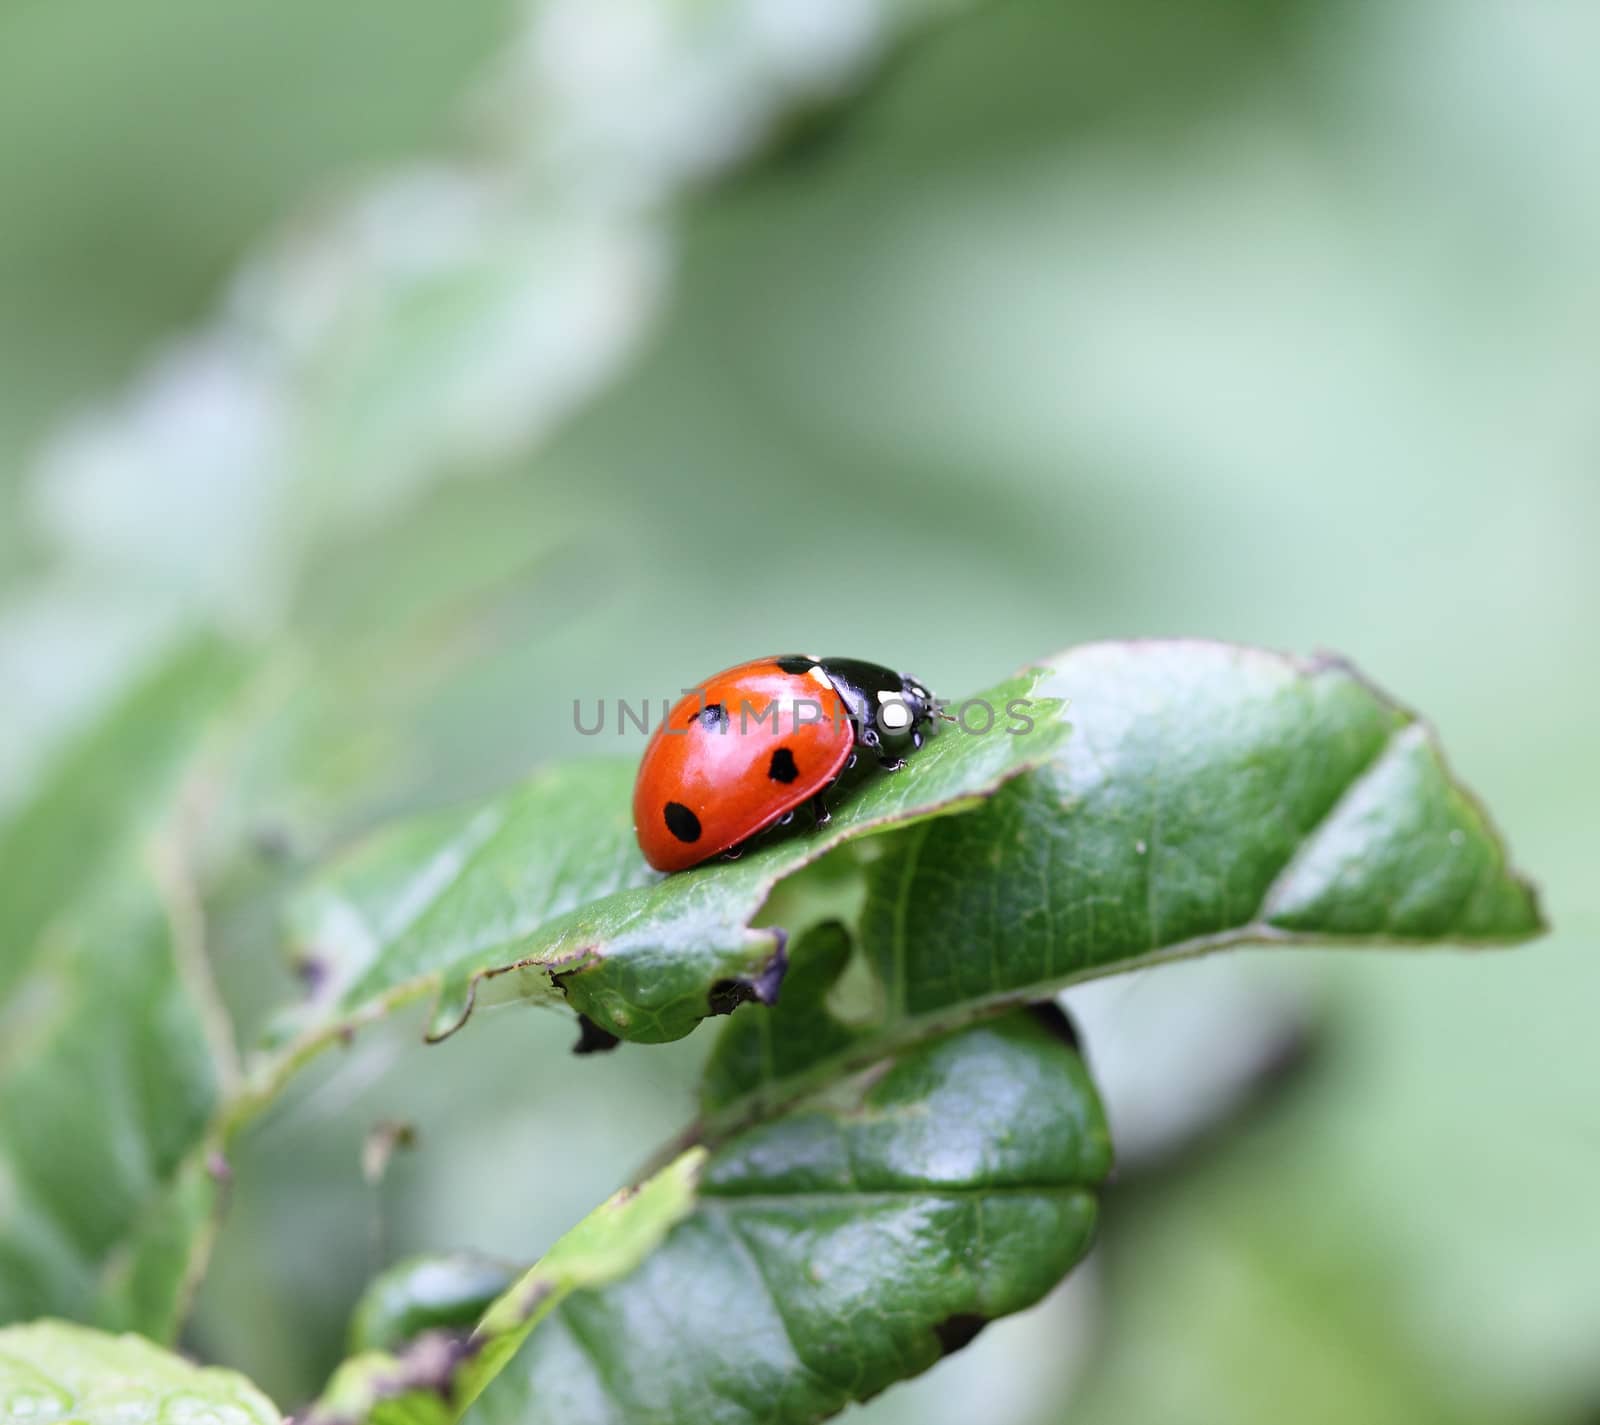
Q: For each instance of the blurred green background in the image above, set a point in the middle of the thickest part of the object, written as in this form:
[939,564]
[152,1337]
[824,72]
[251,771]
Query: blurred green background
[475,359]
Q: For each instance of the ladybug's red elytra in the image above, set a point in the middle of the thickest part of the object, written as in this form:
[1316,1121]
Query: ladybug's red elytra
[751,744]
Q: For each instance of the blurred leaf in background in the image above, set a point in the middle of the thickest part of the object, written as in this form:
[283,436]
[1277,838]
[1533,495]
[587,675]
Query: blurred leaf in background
[1265,320]
[54,1370]
[142,152]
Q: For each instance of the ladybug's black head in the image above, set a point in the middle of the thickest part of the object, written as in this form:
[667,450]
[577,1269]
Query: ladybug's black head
[918,700]
[919,708]
[894,706]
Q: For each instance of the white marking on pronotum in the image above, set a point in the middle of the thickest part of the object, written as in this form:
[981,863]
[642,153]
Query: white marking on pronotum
[893,712]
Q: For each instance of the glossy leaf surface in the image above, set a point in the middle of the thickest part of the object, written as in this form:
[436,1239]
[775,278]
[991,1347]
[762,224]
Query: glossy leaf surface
[1207,796]
[546,880]
[841,1248]
[56,1371]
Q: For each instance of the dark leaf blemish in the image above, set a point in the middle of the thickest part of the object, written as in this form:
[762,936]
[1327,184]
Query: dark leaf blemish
[727,995]
[312,971]
[430,1363]
[767,984]
[957,1331]
[272,842]
[1054,1018]
[592,1039]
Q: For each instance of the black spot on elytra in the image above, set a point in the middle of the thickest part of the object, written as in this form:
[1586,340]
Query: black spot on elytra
[796,663]
[592,1039]
[1058,1022]
[682,822]
[957,1331]
[782,767]
[713,716]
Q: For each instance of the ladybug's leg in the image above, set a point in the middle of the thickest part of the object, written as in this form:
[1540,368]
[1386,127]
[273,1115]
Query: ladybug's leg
[868,737]
[733,853]
[887,761]
[819,811]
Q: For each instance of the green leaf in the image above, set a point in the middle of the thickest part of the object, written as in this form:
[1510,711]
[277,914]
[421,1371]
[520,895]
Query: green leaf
[105,796]
[1207,796]
[545,887]
[955,1187]
[56,1371]
[68,649]
[842,1248]
[425,1294]
[113,1053]
[440,1374]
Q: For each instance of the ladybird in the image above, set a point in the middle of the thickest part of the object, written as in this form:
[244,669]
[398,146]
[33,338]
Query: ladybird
[750,745]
